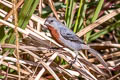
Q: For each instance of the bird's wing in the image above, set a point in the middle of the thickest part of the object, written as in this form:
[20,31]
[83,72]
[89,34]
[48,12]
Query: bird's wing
[69,35]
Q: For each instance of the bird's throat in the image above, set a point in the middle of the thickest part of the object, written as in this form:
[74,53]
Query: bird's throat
[54,34]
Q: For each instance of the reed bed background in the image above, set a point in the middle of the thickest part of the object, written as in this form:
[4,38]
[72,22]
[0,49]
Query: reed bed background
[26,46]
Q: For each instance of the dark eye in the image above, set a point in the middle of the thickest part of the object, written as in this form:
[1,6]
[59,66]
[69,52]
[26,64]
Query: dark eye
[51,21]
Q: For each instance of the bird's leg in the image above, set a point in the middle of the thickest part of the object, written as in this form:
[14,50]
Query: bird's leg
[75,59]
[56,47]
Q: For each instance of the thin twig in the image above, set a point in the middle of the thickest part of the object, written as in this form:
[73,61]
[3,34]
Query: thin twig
[11,12]
[48,63]
[15,68]
[98,22]
[4,55]
[15,14]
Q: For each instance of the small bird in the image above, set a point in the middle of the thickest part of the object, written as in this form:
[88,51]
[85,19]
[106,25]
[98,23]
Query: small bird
[69,39]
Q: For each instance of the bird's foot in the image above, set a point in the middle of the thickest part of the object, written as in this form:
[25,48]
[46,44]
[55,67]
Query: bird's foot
[55,48]
[73,61]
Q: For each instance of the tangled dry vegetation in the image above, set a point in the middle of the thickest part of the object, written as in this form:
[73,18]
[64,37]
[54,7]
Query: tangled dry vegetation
[29,53]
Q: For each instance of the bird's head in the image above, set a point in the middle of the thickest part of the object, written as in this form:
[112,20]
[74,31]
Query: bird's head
[52,22]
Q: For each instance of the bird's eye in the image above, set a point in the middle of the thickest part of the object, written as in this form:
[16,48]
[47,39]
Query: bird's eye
[51,21]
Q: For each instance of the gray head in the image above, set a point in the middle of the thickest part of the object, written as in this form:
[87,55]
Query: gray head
[53,22]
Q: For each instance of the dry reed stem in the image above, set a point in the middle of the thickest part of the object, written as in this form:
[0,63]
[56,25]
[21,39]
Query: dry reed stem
[48,63]
[4,55]
[20,61]
[103,45]
[107,56]
[53,8]
[50,70]
[15,68]
[98,22]
[12,75]
[11,12]
[40,12]
[6,3]
[81,69]
[15,15]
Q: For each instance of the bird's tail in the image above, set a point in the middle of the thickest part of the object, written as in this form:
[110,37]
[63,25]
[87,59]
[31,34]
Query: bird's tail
[99,57]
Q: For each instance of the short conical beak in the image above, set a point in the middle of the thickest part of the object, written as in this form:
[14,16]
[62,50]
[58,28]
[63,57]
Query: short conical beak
[46,23]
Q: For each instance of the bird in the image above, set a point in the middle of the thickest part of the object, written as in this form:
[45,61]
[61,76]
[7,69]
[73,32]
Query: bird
[67,38]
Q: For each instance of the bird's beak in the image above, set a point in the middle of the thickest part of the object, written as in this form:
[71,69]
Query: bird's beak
[46,23]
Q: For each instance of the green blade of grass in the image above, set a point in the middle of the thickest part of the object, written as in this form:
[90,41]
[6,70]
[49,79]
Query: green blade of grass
[26,12]
[24,16]
[95,16]
[104,31]
[83,11]
[72,15]
[78,16]
[69,11]
[2,32]
[99,7]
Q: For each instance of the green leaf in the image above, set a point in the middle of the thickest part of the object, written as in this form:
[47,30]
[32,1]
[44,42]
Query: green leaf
[95,16]
[24,17]
[26,12]
[69,12]
[2,32]
[104,31]
[78,16]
